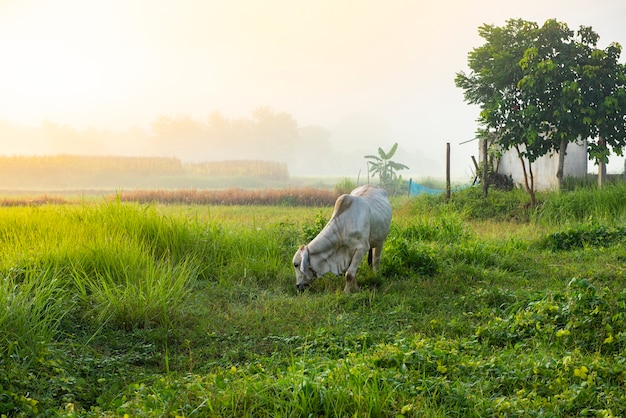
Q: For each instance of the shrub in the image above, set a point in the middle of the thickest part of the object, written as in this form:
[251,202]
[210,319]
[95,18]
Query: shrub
[497,206]
[402,256]
[586,317]
[446,228]
[345,186]
[606,205]
[310,231]
[585,235]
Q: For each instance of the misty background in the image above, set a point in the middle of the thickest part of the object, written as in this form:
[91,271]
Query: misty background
[314,84]
[264,135]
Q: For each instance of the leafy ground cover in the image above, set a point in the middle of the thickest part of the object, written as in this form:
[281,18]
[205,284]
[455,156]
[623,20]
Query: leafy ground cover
[482,307]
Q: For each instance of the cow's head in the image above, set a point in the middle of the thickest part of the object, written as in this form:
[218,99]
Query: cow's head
[304,273]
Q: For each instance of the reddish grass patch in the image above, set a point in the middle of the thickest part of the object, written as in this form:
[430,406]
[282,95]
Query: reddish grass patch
[33,201]
[267,197]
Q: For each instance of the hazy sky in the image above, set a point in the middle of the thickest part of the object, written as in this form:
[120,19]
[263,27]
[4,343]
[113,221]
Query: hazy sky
[116,64]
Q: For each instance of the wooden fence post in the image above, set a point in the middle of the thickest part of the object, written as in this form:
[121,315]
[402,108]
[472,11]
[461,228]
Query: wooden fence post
[447,171]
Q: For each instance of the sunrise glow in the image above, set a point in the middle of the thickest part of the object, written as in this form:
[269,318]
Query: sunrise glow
[119,65]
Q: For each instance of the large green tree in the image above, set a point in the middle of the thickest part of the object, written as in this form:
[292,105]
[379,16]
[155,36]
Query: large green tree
[493,84]
[578,91]
[605,79]
[541,88]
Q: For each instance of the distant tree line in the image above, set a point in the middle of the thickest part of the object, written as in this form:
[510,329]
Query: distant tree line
[267,135]
[82,165]
[239,168]
[74,171]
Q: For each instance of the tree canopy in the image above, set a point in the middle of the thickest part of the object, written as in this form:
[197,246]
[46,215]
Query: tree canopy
[543,87]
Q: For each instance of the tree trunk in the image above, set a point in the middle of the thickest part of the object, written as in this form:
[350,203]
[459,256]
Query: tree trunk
[601,166]
[562,153]
[528,184]
[601,173]
[533,200]
[485,167]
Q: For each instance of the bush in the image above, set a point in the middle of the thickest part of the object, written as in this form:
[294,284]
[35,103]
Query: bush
[585,235]
[447,228]
[402,257]
[586,317]
[345,186]
[584,205]
[499,205]
[310,231]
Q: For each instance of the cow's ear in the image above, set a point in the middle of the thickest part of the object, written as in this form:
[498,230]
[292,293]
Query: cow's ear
[304,265]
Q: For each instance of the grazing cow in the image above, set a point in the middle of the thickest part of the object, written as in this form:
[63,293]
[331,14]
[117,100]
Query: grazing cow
[360,223]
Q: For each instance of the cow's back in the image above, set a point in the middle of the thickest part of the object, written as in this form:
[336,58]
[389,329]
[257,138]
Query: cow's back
[380,211]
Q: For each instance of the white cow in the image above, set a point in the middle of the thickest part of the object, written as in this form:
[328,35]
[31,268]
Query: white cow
[360,223]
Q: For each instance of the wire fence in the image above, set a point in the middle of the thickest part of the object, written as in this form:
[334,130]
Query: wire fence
[416,189]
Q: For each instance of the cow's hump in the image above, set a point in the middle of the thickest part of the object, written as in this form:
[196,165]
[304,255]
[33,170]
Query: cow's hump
[343,204]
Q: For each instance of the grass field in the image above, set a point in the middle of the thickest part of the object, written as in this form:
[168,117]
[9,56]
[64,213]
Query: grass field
[482,307]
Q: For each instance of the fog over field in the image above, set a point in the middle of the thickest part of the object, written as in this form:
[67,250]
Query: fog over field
[315,84]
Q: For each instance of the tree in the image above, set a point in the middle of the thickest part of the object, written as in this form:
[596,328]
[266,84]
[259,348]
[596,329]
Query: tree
[493,84]
[180,135]
[578,91]
[540,88]
[275,134]
[605,78]
[382,166]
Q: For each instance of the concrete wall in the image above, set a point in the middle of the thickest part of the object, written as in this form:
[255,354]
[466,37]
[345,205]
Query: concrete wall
[544,169]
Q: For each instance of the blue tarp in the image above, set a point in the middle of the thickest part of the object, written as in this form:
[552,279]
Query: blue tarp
[417,189]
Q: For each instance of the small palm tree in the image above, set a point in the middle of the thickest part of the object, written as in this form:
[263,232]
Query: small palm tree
[382,166]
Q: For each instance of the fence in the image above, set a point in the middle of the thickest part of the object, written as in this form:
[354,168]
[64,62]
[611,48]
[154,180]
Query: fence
[416,189]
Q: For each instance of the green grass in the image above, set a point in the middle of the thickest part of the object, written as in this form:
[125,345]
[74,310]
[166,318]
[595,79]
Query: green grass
[482,307]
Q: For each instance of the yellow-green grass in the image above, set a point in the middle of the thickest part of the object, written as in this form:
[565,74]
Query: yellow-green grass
[480,308]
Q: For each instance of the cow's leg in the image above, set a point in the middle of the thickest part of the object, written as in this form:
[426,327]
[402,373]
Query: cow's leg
[351,284]
[377,252]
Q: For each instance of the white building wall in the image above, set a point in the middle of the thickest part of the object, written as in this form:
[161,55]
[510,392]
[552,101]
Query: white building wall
[544,168]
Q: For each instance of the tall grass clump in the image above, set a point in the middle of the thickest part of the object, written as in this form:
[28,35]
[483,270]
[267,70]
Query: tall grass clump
[170,239]
[162,236]
[499,205]
[416,246]
[606,204]
[138,267]
[257,255]
[448,227]
[32,305]
[128,265]
[344,186]
[123,287]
